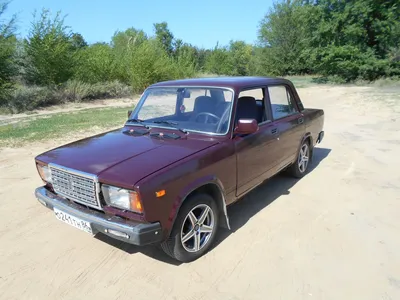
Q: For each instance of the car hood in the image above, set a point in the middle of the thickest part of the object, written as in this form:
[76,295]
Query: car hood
[117,158]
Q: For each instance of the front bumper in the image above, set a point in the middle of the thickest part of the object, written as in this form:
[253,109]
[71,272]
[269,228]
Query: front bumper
[135,233]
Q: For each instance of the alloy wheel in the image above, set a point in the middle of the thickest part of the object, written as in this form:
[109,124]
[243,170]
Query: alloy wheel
[303,158]
[197,228]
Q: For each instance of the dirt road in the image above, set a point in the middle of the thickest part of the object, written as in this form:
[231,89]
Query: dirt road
[335,234]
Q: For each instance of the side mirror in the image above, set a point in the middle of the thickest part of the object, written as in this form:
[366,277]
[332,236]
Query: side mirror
[129,113]
[246,126]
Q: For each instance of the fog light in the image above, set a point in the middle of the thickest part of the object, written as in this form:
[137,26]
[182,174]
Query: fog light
[117,233]
[41,201]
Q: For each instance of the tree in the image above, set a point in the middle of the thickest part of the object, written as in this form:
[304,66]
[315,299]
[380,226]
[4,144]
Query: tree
[164,36]
[149,64]
[77,41]
[241,54]
[219,61]
[345,40]
[282,34]
[354,39]
[124,45]
[49,50]
[7,50]
[122,40]
[96,63]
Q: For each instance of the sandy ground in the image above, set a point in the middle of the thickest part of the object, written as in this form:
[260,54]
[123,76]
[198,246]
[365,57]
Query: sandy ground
[332,235]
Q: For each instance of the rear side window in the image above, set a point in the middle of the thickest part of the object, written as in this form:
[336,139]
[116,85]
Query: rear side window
[282,103]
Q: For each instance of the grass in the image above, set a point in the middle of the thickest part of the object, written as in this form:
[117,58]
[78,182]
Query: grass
[60,125]
[4,111]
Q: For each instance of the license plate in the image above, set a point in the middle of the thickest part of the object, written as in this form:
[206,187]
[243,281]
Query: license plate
[73,221]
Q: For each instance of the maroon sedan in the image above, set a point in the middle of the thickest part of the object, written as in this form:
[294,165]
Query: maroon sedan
[188,150]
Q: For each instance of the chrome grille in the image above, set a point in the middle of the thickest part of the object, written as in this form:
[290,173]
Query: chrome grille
[76,186]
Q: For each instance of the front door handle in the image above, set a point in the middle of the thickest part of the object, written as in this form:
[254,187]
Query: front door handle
[274,131]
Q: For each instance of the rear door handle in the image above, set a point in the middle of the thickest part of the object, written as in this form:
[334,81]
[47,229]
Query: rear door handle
[274,131]
[300,120]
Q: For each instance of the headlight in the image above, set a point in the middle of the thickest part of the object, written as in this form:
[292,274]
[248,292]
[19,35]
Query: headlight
[44,173]
[122,198]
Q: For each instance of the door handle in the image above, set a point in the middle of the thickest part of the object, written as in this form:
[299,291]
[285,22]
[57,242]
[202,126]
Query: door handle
[300,120]
[274,131]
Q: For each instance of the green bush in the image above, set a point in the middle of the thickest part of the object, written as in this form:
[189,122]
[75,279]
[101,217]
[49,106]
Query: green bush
[77,91]
[96,63]
[74,91]
[26,98]
[149,63]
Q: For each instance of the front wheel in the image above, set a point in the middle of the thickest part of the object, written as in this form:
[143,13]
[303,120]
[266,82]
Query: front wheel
[299,168]
[194,230]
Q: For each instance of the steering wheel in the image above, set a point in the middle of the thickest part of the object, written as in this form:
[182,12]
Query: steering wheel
[207,114]
[224,119]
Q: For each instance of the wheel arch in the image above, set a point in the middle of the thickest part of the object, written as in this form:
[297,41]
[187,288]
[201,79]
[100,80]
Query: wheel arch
[211,186]
[307,137]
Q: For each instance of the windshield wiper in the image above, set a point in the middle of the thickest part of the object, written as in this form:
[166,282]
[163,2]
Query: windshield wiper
[172,124]
[139,121]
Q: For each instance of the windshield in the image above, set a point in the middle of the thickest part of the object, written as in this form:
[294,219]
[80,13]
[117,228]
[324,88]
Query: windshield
[197,109]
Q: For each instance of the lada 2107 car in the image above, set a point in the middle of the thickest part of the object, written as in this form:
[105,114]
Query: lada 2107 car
[188,150]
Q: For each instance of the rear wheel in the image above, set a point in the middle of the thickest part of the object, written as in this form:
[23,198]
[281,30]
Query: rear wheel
[194,230]
[299,168]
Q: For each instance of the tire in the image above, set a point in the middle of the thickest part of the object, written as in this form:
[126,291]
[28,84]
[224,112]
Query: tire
[299,168]
[189,225]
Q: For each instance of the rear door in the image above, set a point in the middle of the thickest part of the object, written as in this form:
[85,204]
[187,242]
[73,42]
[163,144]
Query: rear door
[289,122]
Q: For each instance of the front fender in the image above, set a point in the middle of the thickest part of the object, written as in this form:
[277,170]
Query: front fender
[196,185]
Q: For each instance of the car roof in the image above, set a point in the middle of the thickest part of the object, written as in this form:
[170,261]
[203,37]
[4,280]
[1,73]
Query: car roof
[234,82]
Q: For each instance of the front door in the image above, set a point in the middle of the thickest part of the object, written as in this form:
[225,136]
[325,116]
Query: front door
[255,153]
[256,156]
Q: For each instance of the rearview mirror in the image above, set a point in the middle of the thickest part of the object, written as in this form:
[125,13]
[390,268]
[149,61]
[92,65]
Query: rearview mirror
[186,93]
[246,126]
[129,113]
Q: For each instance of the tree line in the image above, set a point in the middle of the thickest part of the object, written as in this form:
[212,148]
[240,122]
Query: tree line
[338,40]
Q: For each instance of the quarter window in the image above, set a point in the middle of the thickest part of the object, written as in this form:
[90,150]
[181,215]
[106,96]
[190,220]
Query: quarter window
[282,104]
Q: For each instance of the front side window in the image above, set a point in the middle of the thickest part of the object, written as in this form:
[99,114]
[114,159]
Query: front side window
[191,108]
[282,104]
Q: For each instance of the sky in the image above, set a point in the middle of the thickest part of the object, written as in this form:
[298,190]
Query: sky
[202,23]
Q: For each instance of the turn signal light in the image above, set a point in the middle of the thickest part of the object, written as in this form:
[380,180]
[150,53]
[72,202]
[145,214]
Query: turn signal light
[160,193]
[136,205]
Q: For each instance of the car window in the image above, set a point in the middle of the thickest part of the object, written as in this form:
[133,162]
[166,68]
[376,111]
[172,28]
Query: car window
[281,102]
[251,105]
[158,102]
[188,103]
[256,93]
[197,109]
